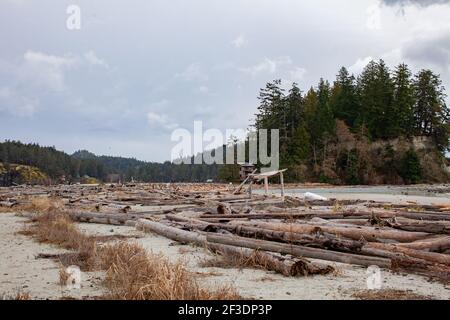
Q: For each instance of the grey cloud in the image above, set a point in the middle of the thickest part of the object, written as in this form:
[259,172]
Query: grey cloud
[434,50]
[421,3]
[15,104]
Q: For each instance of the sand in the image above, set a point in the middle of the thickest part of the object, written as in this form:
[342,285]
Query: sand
[20,269]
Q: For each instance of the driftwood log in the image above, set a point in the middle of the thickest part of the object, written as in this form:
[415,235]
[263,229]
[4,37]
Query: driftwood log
[299,251]
[370,234]
[285,266]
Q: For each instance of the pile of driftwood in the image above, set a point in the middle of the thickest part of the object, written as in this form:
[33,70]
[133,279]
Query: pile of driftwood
[283,236]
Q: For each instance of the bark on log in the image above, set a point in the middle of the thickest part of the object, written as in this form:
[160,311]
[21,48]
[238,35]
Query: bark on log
[104,218]
[325,241]
[438,227]
[299,251]
[321,241]
[352,232]
[288,266]
[428,256]
[332,215]
[170,232]
[436,244]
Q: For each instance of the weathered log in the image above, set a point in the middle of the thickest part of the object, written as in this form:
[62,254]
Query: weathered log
[288,266]
[295,215]
[352,232]
[325,241]
[439,227]
[320,241]
[300,251]
[104,218]
[436,244]
[170,232]
[428,256]
[8,204]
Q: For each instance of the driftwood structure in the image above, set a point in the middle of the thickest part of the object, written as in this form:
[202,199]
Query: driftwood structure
[292,237]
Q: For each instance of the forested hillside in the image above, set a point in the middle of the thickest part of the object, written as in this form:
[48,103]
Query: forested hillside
[327,133]
[82,165]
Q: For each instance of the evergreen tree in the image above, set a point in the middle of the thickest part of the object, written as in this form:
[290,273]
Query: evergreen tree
[432,116]
[404,99]
[295,109]
[271,108]
[345,103]
[376,89]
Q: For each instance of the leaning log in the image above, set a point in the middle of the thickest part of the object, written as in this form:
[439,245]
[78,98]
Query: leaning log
[436,244]
[432,257]
[170,232]
[323,240]
[438,227]
[299,251]
[352,232]
[288,266]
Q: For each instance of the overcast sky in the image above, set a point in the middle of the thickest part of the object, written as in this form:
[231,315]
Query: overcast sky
[138,69]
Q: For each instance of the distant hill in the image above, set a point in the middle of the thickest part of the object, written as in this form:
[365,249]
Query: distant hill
[58,166]
[83,155]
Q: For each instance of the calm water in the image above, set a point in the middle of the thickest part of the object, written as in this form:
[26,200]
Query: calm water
[440,191]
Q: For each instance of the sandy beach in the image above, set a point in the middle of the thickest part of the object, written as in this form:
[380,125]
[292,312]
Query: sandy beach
[21,270]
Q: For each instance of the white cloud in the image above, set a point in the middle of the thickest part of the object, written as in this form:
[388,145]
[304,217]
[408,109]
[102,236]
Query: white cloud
[46,70]
[160,120]
[239,42]
[203,89]
[193,72]
[11,102]
[359,65]
[267,66]
[92,59]
[373,21]
[297,74]
[53,61]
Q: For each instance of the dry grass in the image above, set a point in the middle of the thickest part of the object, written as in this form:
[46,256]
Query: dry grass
[43,204]
[20,295]
[57,228]
[134,274]
[228,260]
[389,294]
[63,276]
[36,204]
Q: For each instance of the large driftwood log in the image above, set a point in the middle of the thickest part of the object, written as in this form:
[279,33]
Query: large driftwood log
[300,251]
[296,215]
[439,227]
[428,256]
[436,244]
[171,232]
[288,266]
[319,241]
[370,234]
[325,241]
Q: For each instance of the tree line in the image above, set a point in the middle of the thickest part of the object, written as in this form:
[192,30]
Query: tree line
[379,104]
[60,166]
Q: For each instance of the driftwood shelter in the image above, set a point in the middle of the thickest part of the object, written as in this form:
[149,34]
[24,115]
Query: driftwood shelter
[255,177]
